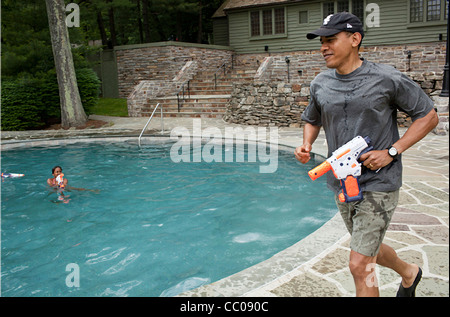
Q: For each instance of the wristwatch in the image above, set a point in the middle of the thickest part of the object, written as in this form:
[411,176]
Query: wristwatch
[392,151]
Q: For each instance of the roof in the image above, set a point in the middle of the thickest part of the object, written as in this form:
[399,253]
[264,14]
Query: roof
[219,12]
[240,4]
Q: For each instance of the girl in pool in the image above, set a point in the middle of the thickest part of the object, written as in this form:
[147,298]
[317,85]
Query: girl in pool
[59,183]
[53,182]
[56,171]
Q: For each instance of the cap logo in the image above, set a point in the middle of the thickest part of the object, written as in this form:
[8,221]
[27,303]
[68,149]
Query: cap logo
[349,26]
[327,19]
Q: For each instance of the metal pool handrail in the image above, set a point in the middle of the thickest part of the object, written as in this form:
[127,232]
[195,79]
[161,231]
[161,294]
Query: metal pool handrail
[162,123]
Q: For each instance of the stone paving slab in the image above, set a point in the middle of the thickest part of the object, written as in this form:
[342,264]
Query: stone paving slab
[317,265]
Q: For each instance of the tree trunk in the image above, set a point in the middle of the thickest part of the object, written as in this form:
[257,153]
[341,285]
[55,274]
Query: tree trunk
[159,25]
[72,112]
[146,23]
[200,20]
[112,24]
[179,26]
[141,30]
[101,28]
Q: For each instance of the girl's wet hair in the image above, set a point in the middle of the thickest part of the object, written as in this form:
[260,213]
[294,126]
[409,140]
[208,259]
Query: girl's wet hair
[53,169]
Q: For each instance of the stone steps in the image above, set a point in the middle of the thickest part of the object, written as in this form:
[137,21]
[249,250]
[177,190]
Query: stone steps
[208,106]
[204,98]
[207,113]
[202,89]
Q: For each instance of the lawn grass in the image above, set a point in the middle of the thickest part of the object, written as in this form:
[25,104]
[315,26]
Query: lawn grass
[116,107]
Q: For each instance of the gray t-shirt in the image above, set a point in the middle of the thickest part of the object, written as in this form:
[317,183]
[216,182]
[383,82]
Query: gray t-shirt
[365,103]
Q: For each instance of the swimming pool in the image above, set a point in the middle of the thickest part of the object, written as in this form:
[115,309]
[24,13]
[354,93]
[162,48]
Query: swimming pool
[156,228]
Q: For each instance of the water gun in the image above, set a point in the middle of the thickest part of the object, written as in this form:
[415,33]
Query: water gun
[346,168]
[60,180]
[11,175]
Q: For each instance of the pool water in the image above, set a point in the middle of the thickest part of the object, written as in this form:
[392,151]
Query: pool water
[155,227]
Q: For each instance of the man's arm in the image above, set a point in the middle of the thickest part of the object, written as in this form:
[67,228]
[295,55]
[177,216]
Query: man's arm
[416,132]
[310,133]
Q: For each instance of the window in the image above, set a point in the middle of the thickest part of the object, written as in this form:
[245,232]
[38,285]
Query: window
[416,10]
[358,9]
[328,8]
[254,24]
[433,10]
[354,6]
[268,22]
[303,17]
[427,10]
[446,10]
[342,6]
[279,21]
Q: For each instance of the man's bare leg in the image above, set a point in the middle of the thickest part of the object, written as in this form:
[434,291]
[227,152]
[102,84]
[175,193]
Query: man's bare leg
[363,270]
[388,257]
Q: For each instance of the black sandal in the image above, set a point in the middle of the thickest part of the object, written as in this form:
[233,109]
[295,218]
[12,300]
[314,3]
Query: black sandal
[410,291]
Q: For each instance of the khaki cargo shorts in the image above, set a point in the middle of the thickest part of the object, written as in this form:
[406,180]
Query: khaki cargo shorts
[367,220]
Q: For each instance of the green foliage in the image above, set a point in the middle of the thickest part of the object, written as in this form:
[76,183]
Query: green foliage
[21,110]
[47,95]
[32,102]
[29,92]
[89,87]
[133,19]
[26,47]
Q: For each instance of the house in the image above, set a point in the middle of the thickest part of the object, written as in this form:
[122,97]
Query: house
[272,62]
[410,35]
[255,26]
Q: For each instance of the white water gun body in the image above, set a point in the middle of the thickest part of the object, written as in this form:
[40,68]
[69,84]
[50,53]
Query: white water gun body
[60,180]
[346,168]
[11,175]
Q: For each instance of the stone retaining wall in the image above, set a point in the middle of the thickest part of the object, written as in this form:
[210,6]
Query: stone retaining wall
[163,61]
[427,59]
[267,104]
[272,100]
[280,104]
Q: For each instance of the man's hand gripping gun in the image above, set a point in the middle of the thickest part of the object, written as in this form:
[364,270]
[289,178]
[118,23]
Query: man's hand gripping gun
[345,166]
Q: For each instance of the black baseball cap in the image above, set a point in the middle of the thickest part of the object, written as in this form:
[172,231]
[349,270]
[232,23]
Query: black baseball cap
[335,23]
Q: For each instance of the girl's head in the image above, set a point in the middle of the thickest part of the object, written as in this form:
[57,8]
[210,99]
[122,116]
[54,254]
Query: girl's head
[56,170]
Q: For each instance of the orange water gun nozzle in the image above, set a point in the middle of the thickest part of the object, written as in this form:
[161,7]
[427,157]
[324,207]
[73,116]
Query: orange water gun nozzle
[318,171]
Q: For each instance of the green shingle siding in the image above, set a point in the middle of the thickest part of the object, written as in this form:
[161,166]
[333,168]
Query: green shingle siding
[220,31]
[394,29]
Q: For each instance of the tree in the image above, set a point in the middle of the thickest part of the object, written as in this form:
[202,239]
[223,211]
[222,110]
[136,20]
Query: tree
[200,22]
[72,112]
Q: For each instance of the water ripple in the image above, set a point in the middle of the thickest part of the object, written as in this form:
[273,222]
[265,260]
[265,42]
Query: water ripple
[186,285]
[122,290]
[106,257]
[122,264]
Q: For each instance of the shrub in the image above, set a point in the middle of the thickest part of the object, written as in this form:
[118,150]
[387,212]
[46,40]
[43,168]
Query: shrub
[20,108]
[89,88]
[31,103]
